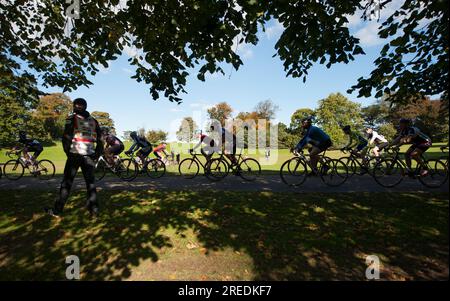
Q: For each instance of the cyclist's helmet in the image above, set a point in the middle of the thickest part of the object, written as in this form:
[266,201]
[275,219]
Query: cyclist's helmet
[133,135]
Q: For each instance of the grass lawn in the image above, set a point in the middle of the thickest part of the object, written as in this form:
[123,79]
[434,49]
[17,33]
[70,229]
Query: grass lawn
[56,154]
[147,235]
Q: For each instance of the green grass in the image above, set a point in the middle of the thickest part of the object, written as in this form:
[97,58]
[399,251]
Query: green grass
[56,154]
[148,235]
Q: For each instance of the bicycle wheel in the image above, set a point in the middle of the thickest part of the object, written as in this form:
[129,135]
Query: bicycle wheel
[437,174]
[155,168]
[46,170]
[216,169]
[293,172]
[249,169]
[371,164]
[188,168]
[13,170]
[388,172]
[351,165]
[127,170]
[100,171]
[334,172]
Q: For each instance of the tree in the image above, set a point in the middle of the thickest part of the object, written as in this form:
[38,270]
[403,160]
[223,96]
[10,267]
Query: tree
[297,117]
[388,130]
[52,112]
[285,137]
[336,111]
[105,120]
[266,109]
[415,61]
[156,136]
[18,96]
[186,130]
[426,114]
[376,114]
[221,112]
[166,45]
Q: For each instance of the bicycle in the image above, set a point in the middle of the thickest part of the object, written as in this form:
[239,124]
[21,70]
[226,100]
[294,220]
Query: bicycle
[390,172]
[214,169]
[153,167]
[356,165]
[333,172]
[14,169]
[247,168]
[125,169]
[444,159]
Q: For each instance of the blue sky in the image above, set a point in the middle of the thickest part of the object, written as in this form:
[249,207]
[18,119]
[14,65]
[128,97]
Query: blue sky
[261,77]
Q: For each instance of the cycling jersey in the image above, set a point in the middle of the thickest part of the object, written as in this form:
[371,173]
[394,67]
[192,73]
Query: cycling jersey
[356,140]
[30,143]
[139,142]
[159,148]
[112,140]
[376,138]
[314,136]
[418,136]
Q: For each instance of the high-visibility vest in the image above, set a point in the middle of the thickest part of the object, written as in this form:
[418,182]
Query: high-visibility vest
[84,135]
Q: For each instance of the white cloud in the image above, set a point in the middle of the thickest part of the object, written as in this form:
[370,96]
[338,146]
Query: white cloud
[274,30]
[126,70]
[243,49]
[175,110]
[368,35]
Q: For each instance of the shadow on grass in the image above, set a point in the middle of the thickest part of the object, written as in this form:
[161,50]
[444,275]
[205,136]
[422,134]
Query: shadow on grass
[287,236]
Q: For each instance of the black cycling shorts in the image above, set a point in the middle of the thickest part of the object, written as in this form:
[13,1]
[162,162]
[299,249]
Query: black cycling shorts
[323,146]
[115,149]
[145,151]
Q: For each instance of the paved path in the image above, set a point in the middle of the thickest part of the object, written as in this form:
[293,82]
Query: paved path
[264,183]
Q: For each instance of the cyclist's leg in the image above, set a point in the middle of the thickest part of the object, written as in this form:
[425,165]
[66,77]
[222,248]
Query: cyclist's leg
[408,156]
[314,155]
[109,155]
[418,151]
[36,153]
[376,151]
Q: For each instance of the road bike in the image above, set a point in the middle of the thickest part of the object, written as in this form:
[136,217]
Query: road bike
[14,169]
[214,169]
[333,172]
[390,172]
[247,168]
[356,165]
[153,167]
[125,169]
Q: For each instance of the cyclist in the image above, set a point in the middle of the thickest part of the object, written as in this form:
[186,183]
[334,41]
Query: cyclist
[420,143]
[357,144]
[114,146]
[208,150]
[229,145]
[142,144]
[30,145]
[161,148]
[377,139]
[317,138]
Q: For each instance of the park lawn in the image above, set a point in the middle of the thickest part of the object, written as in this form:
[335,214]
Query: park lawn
[208,235]
[272,166]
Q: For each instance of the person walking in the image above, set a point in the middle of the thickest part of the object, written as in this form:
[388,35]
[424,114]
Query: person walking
[82,144]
